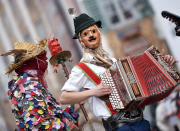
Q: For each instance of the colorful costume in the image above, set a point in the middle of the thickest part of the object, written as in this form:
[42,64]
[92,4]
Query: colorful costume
[33,106]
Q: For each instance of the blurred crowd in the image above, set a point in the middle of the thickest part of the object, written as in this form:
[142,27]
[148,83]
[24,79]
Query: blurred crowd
[166,113]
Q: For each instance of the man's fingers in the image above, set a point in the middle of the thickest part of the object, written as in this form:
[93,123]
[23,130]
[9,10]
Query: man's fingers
[168,57]
[171,59]
[172,62]
[108,89]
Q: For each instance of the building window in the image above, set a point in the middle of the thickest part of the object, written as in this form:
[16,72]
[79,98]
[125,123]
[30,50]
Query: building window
[126,7]
[111,12]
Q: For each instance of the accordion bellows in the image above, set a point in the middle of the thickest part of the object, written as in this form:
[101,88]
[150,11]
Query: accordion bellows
[145,79]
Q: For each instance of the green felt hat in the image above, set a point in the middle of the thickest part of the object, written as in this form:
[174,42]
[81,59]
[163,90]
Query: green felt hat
[82,22]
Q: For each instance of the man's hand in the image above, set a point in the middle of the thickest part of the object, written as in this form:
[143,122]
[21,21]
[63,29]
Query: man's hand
[101,90]
[73,97]
[168,58]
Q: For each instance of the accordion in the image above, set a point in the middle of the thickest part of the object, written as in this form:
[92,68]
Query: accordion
[144,79]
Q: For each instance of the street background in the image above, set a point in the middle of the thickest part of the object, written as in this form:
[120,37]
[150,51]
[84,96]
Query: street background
[129,28]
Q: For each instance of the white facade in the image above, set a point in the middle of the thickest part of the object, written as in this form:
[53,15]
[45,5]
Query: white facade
[166,28]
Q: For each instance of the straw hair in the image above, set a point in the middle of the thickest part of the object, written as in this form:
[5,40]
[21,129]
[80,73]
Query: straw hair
[27,52]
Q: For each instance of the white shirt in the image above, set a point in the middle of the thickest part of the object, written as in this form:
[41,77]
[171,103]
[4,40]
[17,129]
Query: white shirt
[78,81]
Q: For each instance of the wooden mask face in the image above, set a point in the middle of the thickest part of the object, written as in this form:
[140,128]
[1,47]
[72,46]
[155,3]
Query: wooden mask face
[91,37]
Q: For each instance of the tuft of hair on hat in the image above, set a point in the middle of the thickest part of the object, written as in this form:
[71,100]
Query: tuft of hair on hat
[72,12]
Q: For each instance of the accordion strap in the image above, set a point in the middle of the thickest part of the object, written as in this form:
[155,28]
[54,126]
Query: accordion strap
[96,80]
[90,73]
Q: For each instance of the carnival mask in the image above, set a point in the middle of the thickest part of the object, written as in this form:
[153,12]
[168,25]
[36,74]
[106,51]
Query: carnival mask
[90,37]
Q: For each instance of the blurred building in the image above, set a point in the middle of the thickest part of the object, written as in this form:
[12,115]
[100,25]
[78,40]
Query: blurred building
[127,25]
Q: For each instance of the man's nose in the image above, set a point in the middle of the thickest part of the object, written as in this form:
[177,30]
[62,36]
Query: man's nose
[90,33]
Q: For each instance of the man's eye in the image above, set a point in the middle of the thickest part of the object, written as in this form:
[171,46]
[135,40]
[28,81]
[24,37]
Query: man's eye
[85,34]
[94,31]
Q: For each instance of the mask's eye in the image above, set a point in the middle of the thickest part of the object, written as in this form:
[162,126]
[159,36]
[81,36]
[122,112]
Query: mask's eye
[85,34]
[94,31]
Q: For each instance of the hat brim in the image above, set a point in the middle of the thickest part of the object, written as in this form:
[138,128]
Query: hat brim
[98,23]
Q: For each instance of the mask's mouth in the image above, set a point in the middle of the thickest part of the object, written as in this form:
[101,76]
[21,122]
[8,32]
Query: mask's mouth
[92,38]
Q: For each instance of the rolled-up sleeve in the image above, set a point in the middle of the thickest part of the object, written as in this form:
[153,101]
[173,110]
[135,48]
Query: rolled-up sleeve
[76,81]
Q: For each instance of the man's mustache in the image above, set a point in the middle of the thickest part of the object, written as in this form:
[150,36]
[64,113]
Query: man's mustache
[91,38]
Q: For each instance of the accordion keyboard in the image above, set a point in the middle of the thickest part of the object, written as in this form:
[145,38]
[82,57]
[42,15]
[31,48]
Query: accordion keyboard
[114,96]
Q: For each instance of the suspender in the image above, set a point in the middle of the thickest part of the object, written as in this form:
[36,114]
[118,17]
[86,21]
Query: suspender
[96,80]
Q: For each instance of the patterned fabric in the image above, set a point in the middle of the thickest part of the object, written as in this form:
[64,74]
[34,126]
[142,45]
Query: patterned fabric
[35,108]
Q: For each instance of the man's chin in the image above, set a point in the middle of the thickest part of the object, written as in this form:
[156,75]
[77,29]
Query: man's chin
[94,46]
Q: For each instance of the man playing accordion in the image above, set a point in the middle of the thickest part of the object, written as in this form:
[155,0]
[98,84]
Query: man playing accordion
[83,85]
